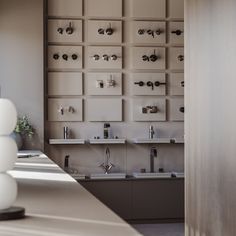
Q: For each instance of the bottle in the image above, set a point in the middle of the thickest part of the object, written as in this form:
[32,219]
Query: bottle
[106,131]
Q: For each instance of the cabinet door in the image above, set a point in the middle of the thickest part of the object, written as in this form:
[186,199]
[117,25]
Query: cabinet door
[158,199]
[116,195]
[65,8]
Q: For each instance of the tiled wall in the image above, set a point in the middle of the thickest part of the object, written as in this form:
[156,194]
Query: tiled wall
[146,45]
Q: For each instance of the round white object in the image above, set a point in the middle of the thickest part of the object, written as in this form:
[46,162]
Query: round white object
[8,117]
[8,191]
[8,153]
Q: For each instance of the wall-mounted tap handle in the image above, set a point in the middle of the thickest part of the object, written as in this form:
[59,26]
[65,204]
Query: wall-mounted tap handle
[150,32]
[101,31]
[61,110]
[181,109]
[70,30]
[177,32]
[140,83]
[96,57]
[141,31]
[71,109]
[111,82]
[99,84]
[180,57]
[109,30]
[105,57]
[182,83]
[158,32]
[153,57]
[145,58]
[74,56]
[150,84]
[65,57]
[60,30]
[157,83]
[56,56]
[114,57]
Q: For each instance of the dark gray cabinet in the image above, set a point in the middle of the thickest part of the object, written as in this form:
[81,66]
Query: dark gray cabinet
[133,199]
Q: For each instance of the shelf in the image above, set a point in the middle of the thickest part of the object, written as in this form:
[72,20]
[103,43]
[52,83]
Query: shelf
[157,140]
[108,176]
[107,141]
[66,141]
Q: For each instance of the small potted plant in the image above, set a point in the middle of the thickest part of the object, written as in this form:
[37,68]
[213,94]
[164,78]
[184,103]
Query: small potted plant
[22,130]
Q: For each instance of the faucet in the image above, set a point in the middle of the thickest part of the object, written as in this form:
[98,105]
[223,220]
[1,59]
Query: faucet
[151,132]
[67,167]
[153,154]
[106,166]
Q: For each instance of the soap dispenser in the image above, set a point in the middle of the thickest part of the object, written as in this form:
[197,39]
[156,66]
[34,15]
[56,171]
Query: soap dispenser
[107,131]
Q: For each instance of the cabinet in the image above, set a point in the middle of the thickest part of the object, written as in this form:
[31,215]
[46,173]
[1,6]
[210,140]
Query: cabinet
[160,199]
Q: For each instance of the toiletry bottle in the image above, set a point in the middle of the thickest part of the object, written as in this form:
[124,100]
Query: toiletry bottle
[66,132]
[106,131]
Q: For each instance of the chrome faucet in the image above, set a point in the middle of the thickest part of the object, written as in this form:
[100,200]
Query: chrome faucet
[67,167]
[106,166]
[151,132]
[153,154]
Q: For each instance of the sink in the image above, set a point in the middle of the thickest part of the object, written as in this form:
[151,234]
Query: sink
[152,175]
[108,176]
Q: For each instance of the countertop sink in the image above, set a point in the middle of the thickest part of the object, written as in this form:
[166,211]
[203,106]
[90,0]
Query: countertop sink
[108,176]
[158,175]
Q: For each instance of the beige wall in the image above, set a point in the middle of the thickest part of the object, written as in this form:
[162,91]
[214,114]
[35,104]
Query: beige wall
[21,59]
[210,117]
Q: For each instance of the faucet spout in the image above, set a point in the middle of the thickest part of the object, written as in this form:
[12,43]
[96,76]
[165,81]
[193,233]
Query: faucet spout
[153,154]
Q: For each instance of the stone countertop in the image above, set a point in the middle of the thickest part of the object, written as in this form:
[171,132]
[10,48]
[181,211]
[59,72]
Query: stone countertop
[56,205]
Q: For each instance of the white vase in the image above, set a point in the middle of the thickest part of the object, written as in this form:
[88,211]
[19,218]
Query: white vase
[18,139]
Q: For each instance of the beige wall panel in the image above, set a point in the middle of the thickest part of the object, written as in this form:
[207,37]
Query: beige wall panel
[100,109]
[139,63]
[104,8]
[95,26]
[176,33]
[139,104]
[59,31]
[176,109]
[176,58]
[65,8]
[149,32]
[176,85]
[104,83]
[65,109]
[94,51]
[176,9]
[148,9]
[155,78]
[60,63]
[65,84]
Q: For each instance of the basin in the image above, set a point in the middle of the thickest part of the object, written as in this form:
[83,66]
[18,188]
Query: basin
[158,175]
[108,176]
[152,175]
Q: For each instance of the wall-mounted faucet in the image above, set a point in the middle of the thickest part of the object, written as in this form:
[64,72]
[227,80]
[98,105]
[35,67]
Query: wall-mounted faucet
[67,167]
[151,132]
[177,32]
[107,31]
[153,154]
[61,110]
[69,29]
[150,32]
[180,57]
[110,83]
[149,109]
[107,166]
[151,58]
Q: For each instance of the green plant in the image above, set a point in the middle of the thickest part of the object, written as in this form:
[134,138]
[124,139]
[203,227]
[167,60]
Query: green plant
[23,127]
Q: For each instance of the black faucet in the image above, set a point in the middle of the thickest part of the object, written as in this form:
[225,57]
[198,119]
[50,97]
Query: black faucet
[153,154]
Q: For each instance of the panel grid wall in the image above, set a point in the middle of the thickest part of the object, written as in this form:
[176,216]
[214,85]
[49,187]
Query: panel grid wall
[114,60]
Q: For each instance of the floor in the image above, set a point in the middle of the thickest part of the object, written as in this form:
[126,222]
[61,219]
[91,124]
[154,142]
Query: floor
[160,229]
